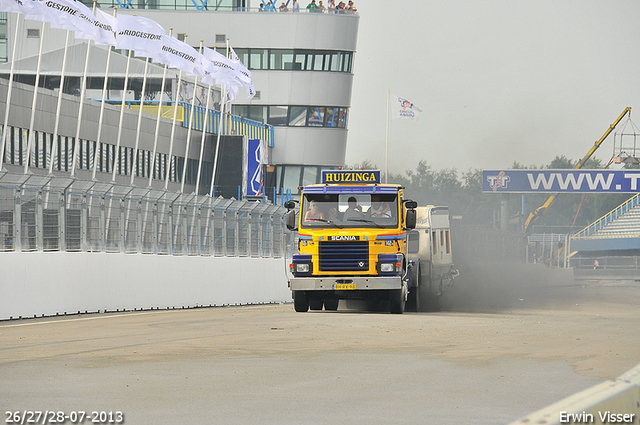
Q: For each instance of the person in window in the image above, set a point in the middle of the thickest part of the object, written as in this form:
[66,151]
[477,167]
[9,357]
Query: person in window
[354,210]
[314,212]
[378,208]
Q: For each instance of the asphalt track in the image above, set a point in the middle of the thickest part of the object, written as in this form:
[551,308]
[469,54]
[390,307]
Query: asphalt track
[488,363]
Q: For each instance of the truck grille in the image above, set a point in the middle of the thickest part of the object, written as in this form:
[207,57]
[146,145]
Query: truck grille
[344,256]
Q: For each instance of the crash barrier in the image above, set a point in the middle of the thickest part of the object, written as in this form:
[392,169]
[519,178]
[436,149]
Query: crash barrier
[43,213]
[37,284]
[609,402]
[70,246]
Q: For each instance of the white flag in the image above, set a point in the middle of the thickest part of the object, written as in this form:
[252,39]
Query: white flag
[31,9]
[402,108]
[244,75]
[219,67]
[71,15]
[106,28]
[142,35]
[179,55]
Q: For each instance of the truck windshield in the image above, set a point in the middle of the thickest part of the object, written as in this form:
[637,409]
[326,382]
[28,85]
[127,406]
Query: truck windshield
[350,210]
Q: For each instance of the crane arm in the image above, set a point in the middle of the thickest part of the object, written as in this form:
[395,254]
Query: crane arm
[544,207]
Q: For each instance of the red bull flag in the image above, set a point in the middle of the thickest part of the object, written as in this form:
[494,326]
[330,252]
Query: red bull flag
[402,108]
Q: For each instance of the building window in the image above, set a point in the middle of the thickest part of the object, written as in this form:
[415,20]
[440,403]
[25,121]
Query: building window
[294,116]
[33,33]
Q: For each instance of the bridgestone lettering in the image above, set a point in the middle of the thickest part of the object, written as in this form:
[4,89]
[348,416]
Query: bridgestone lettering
[140,34]
[179,53]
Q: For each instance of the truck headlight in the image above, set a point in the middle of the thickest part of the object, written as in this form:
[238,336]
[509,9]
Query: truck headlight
[303,267]
[387,267]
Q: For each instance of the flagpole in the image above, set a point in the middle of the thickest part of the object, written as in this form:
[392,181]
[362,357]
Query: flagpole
[83,85]
[33,105]
[204,133]
[54,140]
[189,130]
[116,158]
[173,129]
[7,105]
[386,145]
[105,86]
[156,134]
[134,162]
[223,99]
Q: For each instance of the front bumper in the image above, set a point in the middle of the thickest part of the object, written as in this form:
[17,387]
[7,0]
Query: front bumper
[328,283]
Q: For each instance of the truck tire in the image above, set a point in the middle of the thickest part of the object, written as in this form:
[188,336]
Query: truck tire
[315,304]
[331,304]
[300,301]
[396,298]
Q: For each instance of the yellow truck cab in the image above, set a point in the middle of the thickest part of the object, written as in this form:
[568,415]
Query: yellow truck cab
[352,241]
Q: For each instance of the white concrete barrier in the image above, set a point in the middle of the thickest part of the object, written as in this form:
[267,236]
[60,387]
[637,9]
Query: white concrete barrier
[611,402]
[50,283]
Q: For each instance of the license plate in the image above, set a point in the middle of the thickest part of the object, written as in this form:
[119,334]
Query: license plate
[343,286]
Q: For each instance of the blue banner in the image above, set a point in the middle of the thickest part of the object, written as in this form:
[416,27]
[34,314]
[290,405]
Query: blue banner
[560,181]
[254,168]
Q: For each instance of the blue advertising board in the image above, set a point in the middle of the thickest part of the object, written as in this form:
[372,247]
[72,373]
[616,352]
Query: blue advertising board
[254,168]
[560,181]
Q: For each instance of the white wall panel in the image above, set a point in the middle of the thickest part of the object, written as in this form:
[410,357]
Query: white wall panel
[36,284]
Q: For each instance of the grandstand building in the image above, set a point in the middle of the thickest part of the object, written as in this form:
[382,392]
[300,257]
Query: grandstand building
[302,69]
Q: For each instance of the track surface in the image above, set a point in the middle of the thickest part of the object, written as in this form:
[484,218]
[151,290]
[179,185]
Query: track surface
[269,365]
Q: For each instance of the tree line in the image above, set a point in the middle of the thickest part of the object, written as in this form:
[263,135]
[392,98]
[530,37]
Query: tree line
[462,192]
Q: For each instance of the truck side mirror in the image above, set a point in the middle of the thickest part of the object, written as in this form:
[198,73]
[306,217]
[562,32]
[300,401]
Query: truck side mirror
[290,219]
[411,204]
[410,219]
[290,205]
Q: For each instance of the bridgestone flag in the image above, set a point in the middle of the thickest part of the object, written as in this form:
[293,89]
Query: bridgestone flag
[179,55]
[402,108]
[106,28]
[142,35]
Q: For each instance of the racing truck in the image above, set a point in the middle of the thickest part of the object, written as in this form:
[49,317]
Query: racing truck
[359,239]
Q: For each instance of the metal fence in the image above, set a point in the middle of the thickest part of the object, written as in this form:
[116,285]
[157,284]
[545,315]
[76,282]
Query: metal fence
[43,213]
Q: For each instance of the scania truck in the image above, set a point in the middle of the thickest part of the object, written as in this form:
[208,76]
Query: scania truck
[359,239]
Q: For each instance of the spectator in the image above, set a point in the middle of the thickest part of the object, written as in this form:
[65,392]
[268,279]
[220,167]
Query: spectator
[321,7]
[296,6]
[351,8]
[340,7]
[332,6]
[270,7]
[261,9]
[312,6]
[283,7]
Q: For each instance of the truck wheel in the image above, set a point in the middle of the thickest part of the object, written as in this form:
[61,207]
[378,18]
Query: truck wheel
[315,304]
[300,301]
[413,299]
[331,304]
[396,298]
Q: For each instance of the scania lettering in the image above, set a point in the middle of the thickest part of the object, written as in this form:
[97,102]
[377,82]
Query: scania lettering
[358,240]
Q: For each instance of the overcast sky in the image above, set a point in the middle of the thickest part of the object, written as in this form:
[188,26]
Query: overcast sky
[497,80]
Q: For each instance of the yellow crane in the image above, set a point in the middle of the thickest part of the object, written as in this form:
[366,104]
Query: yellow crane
[544,207]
